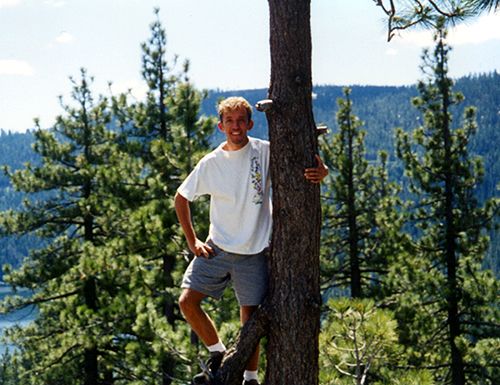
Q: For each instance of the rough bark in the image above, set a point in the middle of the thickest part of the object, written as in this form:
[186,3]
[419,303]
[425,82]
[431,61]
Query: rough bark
[294,262]
[238,355]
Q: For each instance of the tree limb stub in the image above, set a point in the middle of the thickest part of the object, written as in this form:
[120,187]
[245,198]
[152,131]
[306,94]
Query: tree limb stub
[264,105]
[236,358]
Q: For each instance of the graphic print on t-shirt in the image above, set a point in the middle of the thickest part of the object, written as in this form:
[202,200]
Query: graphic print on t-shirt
[256,175]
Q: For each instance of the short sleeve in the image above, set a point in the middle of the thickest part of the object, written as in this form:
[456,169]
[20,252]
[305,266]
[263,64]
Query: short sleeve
[194,185]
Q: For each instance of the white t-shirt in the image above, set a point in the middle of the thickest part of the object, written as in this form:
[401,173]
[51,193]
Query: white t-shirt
[239,185]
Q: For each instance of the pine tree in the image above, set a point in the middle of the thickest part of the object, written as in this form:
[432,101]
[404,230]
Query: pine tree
[157,74]
[448,306]
[362,223]
[72,277]
[167,135]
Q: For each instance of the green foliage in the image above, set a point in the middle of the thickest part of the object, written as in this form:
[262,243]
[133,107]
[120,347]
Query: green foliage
[448,303]
[359,345]
[9,369]
[167,134]
[362,224]
[80,278]
[431,14]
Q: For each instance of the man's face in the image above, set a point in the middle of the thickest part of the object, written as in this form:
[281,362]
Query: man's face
[235,125]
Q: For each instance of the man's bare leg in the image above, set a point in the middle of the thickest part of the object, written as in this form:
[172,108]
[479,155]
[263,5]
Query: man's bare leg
[201,323]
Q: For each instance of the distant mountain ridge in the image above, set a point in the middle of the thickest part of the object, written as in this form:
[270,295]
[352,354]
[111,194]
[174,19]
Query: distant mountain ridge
[381,108]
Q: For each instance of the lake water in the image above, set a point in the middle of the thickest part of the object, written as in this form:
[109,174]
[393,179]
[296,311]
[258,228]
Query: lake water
[20,317]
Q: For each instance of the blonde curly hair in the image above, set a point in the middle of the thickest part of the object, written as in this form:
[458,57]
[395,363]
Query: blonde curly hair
[233,103]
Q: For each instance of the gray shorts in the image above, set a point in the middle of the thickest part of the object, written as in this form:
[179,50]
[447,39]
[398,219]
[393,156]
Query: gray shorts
[210,276]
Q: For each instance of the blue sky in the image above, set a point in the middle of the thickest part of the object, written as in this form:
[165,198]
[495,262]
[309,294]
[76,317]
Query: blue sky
[44,42]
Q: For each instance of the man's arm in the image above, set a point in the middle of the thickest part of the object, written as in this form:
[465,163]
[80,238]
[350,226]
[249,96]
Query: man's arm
[318,173]
[183,211]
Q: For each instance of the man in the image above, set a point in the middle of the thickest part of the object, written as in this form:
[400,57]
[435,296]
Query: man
[236,176]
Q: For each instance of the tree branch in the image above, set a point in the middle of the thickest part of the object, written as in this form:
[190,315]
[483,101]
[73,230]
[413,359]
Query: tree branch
[236,358]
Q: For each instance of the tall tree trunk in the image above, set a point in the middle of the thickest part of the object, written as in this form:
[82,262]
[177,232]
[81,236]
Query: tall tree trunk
[294,262]
[91,369]
[167,362]
[457,363]
[352,221]
[90,366]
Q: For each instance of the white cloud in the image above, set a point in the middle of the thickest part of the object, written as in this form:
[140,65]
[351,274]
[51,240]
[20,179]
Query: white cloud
[479,31]
[483,29]
[9,3]
[16,67]
[64,38]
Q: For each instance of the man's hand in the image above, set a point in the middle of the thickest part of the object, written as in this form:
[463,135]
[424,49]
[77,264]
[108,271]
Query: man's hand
[201,249]
[318,173]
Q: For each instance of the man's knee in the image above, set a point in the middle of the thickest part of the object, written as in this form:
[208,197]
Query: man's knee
[189,301]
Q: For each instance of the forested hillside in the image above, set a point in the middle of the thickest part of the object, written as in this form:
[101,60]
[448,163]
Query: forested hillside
[15,151]
[382,109]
